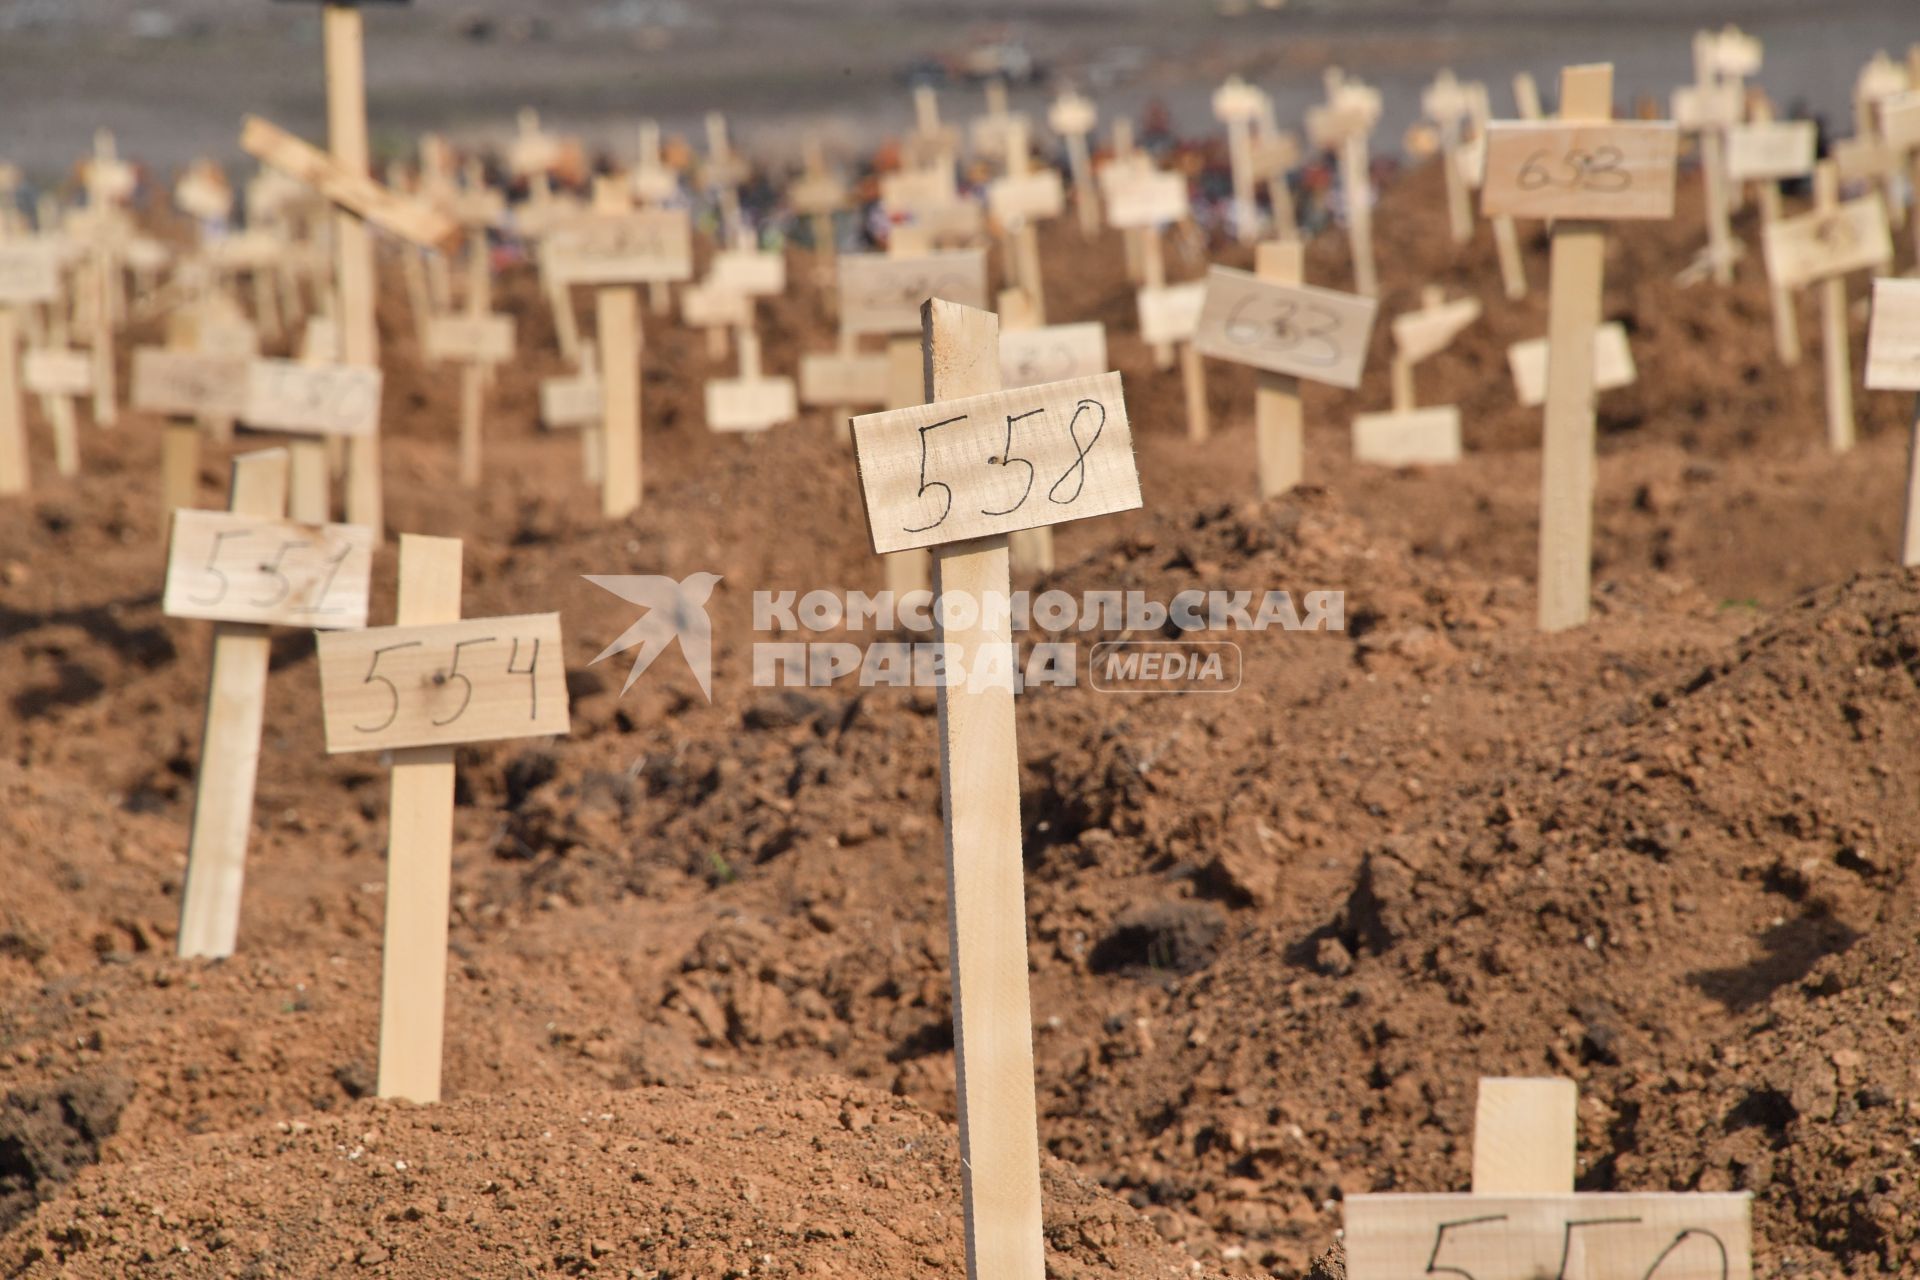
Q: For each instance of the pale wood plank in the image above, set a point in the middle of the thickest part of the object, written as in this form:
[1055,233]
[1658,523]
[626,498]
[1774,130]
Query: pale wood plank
[1573,169]
[354,281]
[1279,426]
[1295,329]
[1524,1133]
[617,308]
[227,566]
[13,430]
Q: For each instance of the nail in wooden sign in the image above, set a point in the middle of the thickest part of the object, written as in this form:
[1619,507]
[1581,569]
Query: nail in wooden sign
[224,567]
[51,371]
[843,379]
[29,272]
[1598,172]
[996,463]
[1311,333]
[1893,343]
[1171,313]
[409,219]
[477,680]
[881,294]
[1600,1236]
[486,339]
[1052,353]
[630,248]
[1818,245]
[1613,365]
[1771,150]
[1144,199]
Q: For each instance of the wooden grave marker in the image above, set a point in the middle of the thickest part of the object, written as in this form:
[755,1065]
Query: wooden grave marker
[1880,81]
[1287,330]
[723,174]
[1448,104]
[1581,171]
[750,401]
[1893,364]
[1766,151]
[1276,153]
[931,145]
[926,484]
[818,194]
[1523,1219]
[1408,435]
[616,254]
[578,401]
[1236,104]
[1019,201]
[1821,248]
[1142,201]
[417,689]
[247,569]
[1613,365]
[1170,316]
[29,274]
[1344,125]
[478,340]
[1709,108]
[1073,117]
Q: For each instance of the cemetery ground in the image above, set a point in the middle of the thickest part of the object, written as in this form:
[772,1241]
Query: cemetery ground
[698,1004]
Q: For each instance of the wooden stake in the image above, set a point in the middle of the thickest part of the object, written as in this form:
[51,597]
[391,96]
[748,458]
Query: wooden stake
[229,743]
[912,570]
[13,430]
[987,915]
[1073,118]
[617,316]
[473,373]
[1279,428]
[1193,385]
[1910,527]
[1567,447]
[1835,350]
[353,244]
[1713,161]
[1134,237]
[179,466]
[1786,308]
[1153,274]
[1523,1137]
[413,958]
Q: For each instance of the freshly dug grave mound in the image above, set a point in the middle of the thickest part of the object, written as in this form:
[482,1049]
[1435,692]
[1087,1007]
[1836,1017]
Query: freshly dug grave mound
[726,1179]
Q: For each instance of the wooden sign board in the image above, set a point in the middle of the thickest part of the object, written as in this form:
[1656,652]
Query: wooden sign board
[486,339]
[1613,365]
[1052,353]
[356,192]
[879,294]
[248,251]
[1713,106]
[996,463]
[313,399]
[189,383]
[1145,199]
[1862,158]
[912,190]
[707,305]
[963,220]
[749,271]
[477,680]
[750,404]
[1414,437]
[1900,122]
[1028,197]
[1419,335]
[51,371]
[1310,333]
[29,272]
[224,567]
[571,402]
[1171,313]
[1771,150]
[629,248]
[319,341]
[1814,246]
[817,193]
[1602,172]
[1893,344]
[1604,1236]
[843,379]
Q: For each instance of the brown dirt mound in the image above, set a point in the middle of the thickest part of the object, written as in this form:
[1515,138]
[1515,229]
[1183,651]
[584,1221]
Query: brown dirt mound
[741,1179]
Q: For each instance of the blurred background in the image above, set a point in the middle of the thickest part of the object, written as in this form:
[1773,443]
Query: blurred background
[172,79]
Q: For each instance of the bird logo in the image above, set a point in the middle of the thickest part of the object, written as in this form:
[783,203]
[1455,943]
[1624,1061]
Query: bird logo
[673,611]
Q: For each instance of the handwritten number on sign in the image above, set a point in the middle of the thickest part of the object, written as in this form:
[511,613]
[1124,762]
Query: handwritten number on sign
[213,554]
[391,690]
[1078,469]
[334,562]
[1597,170]
[926,484]
[1305,331]
[1726,1265]
[453,673]
[1006,459]
[286,584]
[533,688]
[1566,1246]
[1440,1239]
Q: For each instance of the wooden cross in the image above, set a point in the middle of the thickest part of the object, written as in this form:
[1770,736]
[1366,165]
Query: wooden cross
[478,341]
[1523,1218]
[1056,452]
[751,401]
[992,133]
[1288,331]
[417,689]
[1236,104]
[1881,80]
[1821,248]
[1448,104]
[248,569]
[1409,435]
[724,174]
[931,144]
[1893,364]
[109,183]
[819,194]
[1019,201]
[1169,316]
[1073,117]
[1766,151]
[578,401]
[1142,201]
[1276,153]
[1580,172]
[1709,107]
[1344,125]
[29,275]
